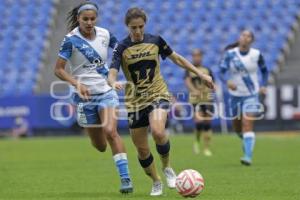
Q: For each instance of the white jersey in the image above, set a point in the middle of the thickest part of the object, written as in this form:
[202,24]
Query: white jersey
[88,58]
[242,69]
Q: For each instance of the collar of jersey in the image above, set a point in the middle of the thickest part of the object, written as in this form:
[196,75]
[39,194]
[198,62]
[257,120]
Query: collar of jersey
[85,37]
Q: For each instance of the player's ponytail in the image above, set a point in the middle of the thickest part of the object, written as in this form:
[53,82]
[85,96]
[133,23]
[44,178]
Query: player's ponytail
[72,15]
[231,46]
[236,44]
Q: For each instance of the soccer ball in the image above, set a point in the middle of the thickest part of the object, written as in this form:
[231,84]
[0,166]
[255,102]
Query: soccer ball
[189,183]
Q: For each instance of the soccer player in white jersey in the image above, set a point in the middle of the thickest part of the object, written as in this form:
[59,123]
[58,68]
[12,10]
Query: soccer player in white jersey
[239,68]
[86,49]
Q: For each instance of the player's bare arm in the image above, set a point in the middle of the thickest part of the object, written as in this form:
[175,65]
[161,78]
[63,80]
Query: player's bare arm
[112,80]
[184,63]
[61,73]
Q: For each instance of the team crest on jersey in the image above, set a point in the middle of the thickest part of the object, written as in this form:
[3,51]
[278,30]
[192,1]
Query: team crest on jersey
[104,43]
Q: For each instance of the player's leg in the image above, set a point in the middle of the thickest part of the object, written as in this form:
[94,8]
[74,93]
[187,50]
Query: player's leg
[98,139]
[251,107]
[235,109]
[87,117]
[157,120]
[140,140]
[248,139]
[207,132]
[108,117]
[198,120]
[237,127]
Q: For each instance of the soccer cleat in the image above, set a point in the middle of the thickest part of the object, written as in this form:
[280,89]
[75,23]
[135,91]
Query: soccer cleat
[157,189]
[207,152]
[126,186]
[246,161]
[170,177]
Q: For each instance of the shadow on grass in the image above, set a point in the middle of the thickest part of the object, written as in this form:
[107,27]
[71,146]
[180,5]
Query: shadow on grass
[91,195]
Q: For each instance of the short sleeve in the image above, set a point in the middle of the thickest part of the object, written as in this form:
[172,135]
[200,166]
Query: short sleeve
[224,65]
[112,40]
[65,50]
[117,57]
[164,49]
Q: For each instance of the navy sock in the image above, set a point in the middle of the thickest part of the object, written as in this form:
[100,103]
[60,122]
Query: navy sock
[164,149]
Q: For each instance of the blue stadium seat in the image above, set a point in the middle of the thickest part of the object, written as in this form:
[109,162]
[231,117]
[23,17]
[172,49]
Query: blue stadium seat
[206,24]
[17,48]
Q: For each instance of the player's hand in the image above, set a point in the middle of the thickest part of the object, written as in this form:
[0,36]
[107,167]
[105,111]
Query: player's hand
[231,85]
[118,85]
[263,90]
[207,80]
[83,91]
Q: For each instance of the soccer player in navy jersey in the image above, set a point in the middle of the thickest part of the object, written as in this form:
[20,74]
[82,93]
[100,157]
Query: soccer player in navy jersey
[239,68]
[201,98]
[146,96]
[85,47]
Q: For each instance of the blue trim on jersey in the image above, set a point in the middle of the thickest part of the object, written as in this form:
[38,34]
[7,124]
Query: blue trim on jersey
[112,40]
[244,53]
[90,53]
[240,67]
[65,51]
[224,66]
[264,70]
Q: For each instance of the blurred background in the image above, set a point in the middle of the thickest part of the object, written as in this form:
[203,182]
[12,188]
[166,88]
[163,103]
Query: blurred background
[32,30]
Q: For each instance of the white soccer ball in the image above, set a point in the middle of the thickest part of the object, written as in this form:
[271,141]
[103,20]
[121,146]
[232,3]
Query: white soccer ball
[189,183]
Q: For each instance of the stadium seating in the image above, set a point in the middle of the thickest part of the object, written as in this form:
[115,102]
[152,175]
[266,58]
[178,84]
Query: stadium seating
[185,24]
[24,26]
[209,25]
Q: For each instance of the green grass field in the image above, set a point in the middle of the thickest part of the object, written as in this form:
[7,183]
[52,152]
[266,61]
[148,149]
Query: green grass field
[69,168]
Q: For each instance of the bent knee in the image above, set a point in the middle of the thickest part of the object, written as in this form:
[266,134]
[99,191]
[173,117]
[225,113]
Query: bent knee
[143,152]
[110,132]
[100,147]
[159,136]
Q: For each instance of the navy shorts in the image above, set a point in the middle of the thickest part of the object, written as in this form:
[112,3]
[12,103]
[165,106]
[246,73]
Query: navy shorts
[140,118]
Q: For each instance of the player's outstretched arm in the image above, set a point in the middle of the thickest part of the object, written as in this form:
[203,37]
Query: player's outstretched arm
[184,63]
[112,79]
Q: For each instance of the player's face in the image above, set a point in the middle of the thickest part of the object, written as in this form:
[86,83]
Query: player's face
[87,20]
[197,57]
[246,39]
[136,29]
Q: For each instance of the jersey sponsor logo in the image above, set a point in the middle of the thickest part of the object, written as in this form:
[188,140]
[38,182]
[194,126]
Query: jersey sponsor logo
[140,55]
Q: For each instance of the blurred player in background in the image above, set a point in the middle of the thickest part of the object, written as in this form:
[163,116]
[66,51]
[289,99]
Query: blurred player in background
[147,96]
[239,68]
[201,98]
[86,49]
[174,123]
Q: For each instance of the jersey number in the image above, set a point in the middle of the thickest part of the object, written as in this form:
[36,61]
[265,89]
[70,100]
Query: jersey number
[143,70]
